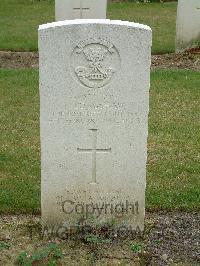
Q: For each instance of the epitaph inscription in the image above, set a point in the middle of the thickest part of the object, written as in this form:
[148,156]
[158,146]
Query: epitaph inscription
[95,61]
[118,113]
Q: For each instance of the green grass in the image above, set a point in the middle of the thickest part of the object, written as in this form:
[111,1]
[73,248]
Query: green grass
[19,154]
[174,144]
[19,20]
[174,140]
[160,17]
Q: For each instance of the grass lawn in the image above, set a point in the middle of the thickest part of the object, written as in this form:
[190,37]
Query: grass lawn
[19,20]
[173,162]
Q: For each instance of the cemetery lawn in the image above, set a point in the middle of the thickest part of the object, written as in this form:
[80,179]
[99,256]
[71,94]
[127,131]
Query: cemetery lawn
[173,145]
[19,22]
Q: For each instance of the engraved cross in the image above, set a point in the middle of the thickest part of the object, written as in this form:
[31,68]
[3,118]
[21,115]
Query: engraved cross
[81,8]
[94,152]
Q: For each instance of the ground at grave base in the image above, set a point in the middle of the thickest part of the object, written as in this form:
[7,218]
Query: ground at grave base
[169,239]
[186,60]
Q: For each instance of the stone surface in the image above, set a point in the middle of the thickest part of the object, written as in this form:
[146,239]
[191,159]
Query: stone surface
[94,91]
[80,9]
[188,24]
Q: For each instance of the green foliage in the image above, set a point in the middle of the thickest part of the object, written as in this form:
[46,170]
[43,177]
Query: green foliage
[4,245]
[157,242]
[95,239]
[136,248]
[51,252]
[22,259]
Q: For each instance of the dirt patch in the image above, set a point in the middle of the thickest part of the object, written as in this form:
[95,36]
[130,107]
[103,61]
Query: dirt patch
[14,60]
[169,239]
[187,60]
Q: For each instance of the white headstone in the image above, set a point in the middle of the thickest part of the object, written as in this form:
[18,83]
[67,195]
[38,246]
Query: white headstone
[94,90]
[188,24]
[80,9]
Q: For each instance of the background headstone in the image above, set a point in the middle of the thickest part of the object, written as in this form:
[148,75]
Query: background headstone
[94,91]
[188,24]
[80,9]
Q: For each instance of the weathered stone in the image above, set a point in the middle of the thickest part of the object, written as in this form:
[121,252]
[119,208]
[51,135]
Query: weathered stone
[94,90]
[188,24]
[80,9]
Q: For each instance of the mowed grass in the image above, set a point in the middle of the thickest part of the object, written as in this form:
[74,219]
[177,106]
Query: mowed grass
[19,20]
[160,17]
[19,154]
[174,144]
[174,141]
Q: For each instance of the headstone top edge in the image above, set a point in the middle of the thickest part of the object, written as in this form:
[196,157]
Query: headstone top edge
[93,21]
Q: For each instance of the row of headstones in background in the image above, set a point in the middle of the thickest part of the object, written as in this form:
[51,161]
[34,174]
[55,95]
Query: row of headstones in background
[94,90]
[188,17]
[188,24]
[80,9]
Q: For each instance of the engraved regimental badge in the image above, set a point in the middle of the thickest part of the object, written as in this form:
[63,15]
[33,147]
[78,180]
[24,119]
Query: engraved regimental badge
[95,62]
